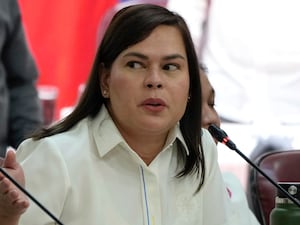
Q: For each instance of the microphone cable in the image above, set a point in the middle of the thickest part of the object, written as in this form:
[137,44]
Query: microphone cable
[30,196]
[222,137]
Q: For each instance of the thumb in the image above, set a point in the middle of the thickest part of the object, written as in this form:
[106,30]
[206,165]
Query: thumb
[10,159]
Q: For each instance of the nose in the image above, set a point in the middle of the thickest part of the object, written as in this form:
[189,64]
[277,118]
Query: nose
[158,85]
[209,117]
[154,79]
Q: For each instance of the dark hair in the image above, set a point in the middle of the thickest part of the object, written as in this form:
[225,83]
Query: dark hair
[129,26]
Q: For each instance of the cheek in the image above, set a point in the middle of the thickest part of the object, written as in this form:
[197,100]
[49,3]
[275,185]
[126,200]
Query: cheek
[123,91]
[204,111]
[183,88]
[119,96]
[204,117]
[119,83]
[180,95]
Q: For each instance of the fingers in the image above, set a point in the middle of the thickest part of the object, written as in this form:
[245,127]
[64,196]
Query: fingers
[10,159]
[12,201]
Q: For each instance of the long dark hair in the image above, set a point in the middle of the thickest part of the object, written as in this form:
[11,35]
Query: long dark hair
[129,26]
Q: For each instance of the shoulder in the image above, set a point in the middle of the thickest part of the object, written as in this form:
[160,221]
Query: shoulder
[62,144]
[79,141]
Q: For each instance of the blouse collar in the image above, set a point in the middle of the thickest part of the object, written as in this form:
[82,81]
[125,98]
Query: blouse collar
[107,135]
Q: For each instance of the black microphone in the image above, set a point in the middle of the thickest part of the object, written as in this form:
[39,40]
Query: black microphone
[222,137]
[30,196]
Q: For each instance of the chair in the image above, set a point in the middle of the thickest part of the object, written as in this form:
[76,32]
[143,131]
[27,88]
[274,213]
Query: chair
[278,165]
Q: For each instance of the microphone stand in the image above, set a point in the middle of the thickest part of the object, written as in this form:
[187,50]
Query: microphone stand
[222,137]
[30,196]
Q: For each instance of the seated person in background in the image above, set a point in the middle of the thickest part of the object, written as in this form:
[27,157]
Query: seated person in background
[209,113]
[131,151]
[210,116]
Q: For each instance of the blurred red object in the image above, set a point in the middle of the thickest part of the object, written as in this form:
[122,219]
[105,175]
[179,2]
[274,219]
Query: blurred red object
[62,36]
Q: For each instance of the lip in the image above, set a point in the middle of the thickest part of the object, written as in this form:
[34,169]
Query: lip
[154,104]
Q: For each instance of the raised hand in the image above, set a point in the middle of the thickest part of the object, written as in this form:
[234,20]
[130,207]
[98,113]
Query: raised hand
[12,201]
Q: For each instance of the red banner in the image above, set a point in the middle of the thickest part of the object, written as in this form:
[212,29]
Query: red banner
[62,35]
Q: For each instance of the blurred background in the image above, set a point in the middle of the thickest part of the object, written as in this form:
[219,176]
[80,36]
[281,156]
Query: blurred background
[63,37]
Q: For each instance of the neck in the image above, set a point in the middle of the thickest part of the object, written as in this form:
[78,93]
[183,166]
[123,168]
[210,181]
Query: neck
[146,147]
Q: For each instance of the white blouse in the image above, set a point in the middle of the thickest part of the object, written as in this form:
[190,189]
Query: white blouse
[90,176]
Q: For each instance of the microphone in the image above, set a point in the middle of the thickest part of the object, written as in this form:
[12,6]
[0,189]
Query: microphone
[222,137]
[30,196]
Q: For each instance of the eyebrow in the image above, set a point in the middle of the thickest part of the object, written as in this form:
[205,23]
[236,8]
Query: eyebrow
[168,57]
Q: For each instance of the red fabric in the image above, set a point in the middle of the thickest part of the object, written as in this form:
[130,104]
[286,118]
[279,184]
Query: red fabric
[62,36]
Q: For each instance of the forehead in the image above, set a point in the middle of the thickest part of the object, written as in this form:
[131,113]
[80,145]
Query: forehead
[203,78]
[205,84]
[163,39]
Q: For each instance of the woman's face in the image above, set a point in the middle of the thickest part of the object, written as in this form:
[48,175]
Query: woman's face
[209,114]
[148,84]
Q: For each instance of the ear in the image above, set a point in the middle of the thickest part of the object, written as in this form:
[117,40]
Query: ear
[104,76]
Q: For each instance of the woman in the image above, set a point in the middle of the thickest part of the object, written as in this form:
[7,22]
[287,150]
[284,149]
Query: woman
[131,151]
[209,113]
[210,116]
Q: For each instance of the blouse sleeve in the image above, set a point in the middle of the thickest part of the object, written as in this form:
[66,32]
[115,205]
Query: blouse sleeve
[46,179]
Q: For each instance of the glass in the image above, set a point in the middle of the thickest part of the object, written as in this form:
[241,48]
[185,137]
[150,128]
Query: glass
[48,96]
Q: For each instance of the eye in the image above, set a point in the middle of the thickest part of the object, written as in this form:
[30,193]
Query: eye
[134,65]
[211,100]
[171,67]
[211,104]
